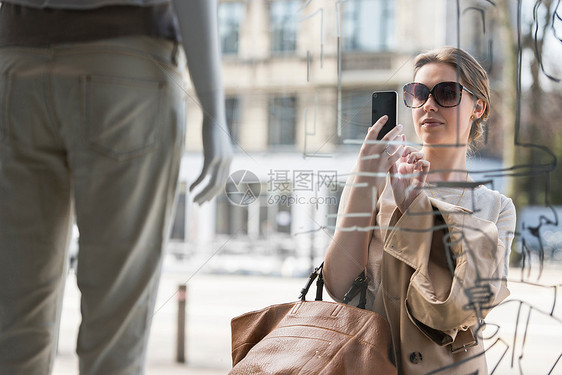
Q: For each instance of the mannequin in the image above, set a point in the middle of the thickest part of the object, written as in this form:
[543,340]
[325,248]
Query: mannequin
[205,69]
[93,127]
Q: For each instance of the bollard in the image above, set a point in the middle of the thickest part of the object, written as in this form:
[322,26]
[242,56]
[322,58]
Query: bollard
[180,342]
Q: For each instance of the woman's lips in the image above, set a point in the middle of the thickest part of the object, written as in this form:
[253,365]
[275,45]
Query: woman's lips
[431,123]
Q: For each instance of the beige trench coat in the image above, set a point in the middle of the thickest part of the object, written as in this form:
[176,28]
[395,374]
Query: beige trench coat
[436,315]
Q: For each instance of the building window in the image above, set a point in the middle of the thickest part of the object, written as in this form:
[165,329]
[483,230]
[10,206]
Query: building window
[235,220]
[179,224]
[231,219]
[333,208]
[368,25]
[232,105]
[275,217]
[283,16]
[282,120]
[230,17]
[283,218]
[356,115]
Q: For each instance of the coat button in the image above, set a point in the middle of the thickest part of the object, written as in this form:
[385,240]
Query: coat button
[416,357]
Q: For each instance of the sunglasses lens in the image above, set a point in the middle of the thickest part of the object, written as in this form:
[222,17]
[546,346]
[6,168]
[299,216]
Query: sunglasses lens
[415,94]
[447,94]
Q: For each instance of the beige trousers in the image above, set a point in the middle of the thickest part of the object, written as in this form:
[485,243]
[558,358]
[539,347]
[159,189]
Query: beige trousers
[99,127]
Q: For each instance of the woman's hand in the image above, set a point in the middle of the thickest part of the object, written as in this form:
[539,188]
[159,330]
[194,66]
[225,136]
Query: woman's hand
[408,175]
[377,158]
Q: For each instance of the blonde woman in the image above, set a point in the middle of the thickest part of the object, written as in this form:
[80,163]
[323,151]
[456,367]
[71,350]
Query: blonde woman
[436,262]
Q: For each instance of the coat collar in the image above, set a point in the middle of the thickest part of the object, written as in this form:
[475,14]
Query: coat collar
[474,245]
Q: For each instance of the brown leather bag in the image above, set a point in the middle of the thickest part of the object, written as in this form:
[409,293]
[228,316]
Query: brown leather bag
[313,337]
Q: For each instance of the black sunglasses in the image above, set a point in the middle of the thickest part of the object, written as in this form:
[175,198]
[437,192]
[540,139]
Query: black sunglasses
[446,94]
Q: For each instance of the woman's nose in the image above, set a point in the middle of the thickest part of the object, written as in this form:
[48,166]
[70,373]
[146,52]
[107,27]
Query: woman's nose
[430,104]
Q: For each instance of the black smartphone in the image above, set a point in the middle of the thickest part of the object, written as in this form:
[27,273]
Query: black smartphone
[384,103]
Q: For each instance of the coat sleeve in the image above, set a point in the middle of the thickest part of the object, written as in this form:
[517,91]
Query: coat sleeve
[506,228]
[477,256]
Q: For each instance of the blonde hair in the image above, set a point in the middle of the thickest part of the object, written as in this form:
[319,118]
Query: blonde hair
[472,76]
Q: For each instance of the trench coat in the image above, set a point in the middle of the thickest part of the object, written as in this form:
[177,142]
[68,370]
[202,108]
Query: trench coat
[440,273]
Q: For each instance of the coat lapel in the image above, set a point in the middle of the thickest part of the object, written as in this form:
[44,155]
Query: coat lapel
[478,257]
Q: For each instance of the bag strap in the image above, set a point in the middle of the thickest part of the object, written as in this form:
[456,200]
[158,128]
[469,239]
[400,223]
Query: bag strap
[313,275]
[359,285]
[320,284]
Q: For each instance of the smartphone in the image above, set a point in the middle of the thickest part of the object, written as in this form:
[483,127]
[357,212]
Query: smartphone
[384,103]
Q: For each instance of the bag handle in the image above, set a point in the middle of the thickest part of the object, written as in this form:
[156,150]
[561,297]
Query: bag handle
[358,285]
[313,275]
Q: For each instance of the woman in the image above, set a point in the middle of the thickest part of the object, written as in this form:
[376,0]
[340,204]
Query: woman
[436,257]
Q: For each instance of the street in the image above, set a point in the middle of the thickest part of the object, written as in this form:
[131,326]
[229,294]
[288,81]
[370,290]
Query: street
[213,300]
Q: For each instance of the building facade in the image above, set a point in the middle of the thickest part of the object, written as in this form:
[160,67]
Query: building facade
[298,79]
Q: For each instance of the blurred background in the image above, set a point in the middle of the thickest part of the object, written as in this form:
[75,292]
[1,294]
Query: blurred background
[298,79]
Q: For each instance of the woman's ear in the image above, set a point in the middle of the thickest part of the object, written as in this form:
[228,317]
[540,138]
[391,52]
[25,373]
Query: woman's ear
[479,108]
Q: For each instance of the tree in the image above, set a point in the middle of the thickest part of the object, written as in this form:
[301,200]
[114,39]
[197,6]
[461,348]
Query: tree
[530,117]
